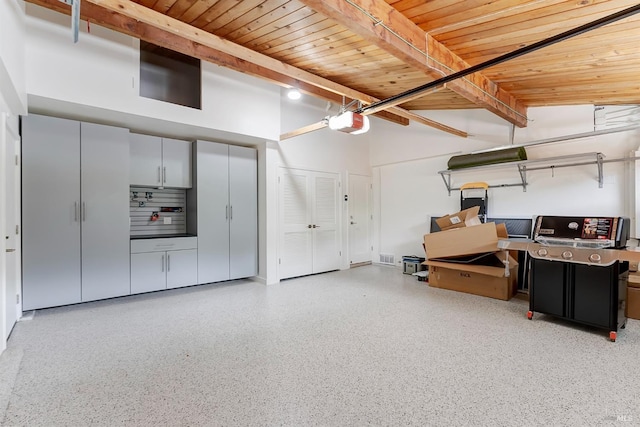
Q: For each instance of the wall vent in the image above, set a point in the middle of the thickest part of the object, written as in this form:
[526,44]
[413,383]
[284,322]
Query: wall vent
[387,259]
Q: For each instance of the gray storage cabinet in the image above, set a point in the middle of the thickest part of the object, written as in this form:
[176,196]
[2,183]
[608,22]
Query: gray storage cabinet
[159,162]
[163,263]
[75,212]
[226,206]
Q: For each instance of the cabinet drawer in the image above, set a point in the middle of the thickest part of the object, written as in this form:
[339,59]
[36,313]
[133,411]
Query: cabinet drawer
[163,244]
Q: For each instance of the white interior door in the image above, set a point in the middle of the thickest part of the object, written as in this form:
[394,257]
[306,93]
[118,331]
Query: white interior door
[325,222]
[359,219]
[10,193]
[295,255]
[12,227]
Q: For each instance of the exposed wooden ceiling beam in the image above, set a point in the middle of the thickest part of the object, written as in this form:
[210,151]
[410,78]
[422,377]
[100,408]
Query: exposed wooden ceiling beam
[305,129]
[420,119]
[189,34]
[381,24]
[145,32]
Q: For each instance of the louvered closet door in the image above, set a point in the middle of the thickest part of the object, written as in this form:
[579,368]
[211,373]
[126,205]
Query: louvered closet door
[326,238]
[295,254]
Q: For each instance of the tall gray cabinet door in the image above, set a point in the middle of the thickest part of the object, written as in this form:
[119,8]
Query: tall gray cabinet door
[243,217]
[104,211]
[50,212]
[212,181]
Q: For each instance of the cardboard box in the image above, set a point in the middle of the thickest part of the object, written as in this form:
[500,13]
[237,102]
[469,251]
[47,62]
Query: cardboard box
[632,309]
[485,276]
[456,242]
[634,280]
[465,218]
[501,231]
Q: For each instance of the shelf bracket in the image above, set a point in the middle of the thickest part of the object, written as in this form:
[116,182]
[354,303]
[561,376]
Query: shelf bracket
[447,181]
[599,158]
[523,176]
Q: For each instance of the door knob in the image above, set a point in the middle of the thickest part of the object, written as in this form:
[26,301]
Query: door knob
[353,222]
[309,226]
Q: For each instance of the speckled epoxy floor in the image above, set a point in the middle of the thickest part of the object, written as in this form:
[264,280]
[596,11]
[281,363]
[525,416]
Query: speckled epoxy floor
[367,346]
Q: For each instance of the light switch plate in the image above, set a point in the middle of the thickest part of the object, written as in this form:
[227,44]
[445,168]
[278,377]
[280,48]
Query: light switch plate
[166,220]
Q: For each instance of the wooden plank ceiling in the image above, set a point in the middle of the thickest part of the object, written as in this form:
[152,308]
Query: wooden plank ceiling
[374,49]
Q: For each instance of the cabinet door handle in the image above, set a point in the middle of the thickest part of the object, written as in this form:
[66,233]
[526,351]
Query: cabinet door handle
[163,263]
[84,211]
[168,263]
[230,212]
[75,211]
[159,176]
[226,212]
[164,174]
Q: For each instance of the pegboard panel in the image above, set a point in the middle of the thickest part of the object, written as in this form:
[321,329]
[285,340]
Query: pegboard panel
[167,206]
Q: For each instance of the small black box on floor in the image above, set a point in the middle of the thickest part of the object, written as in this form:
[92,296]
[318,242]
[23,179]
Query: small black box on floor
[412,264]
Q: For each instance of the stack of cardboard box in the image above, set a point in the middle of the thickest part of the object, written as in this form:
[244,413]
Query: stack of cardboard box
[464,257]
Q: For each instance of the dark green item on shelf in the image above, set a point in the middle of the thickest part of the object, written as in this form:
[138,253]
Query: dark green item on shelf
[488,158]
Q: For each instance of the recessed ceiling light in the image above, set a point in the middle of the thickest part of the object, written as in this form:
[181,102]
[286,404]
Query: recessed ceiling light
[294,94]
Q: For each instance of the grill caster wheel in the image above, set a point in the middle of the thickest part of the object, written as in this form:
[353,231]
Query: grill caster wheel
[529,315]
[613,335]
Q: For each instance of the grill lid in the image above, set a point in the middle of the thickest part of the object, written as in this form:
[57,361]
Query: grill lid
[586,232]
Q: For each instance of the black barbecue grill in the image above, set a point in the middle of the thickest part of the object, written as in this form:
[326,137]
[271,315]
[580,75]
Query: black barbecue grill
[579,269]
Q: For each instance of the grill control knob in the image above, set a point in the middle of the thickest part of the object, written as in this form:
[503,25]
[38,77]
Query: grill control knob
[542,252]
[595,258]
[567,255]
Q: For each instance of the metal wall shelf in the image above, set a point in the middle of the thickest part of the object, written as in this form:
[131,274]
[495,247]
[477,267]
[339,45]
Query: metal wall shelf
[525,166]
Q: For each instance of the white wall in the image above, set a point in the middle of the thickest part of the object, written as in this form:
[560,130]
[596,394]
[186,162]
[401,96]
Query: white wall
[408,189]
[12,76]
[267,212]
[97,79]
